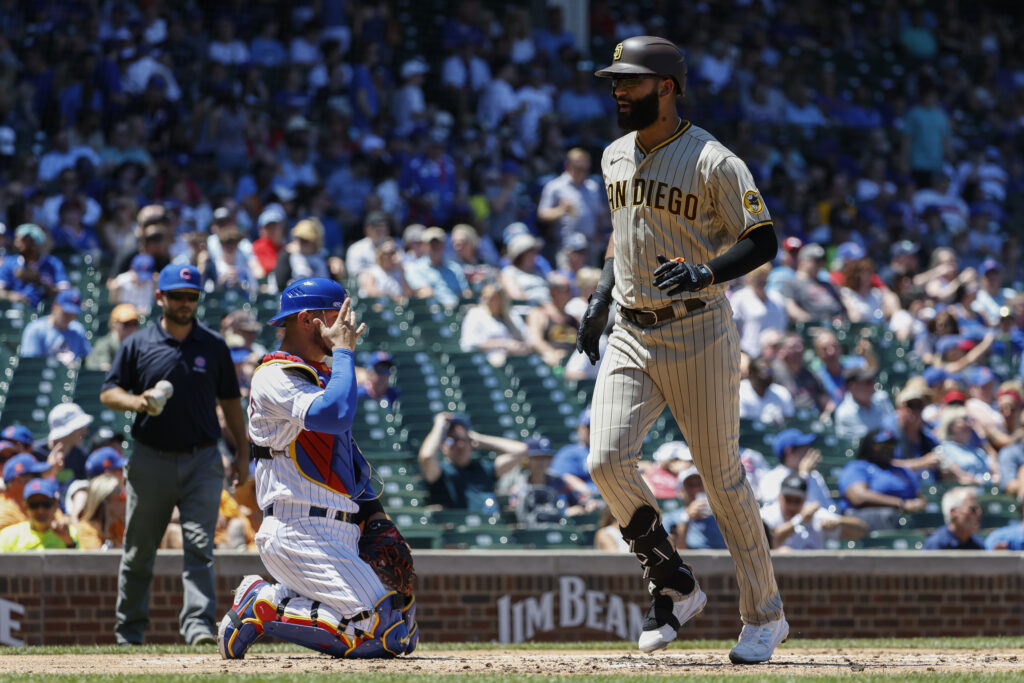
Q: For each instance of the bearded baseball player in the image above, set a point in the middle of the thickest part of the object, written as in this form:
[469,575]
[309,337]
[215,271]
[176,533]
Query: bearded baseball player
[686,219]
[344,572]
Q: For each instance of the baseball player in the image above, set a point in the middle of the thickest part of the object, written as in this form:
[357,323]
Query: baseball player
[686,218]
[324,537]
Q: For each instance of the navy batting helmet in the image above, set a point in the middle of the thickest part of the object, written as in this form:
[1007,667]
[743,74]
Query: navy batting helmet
[309,294]
[647,56]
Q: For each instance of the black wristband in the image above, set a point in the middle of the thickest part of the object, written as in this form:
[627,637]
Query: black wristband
[606,284]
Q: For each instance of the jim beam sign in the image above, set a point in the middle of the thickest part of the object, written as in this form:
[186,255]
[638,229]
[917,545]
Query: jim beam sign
[577,607]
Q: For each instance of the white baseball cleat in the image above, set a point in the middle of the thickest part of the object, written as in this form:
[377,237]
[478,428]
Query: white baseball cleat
[664,627]
[757,643]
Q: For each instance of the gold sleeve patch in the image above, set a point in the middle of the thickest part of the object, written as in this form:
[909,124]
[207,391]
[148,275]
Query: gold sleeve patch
[752,202]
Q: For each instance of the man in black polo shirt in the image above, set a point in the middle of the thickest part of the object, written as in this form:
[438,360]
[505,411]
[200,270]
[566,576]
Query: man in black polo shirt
[175,460]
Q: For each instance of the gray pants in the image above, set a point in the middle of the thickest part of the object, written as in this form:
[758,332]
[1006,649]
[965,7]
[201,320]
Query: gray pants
[156,482]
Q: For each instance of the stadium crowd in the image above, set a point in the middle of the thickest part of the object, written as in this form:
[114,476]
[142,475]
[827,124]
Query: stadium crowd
[339,138]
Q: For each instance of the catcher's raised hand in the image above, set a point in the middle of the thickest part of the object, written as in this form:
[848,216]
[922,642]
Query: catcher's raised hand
[677,276]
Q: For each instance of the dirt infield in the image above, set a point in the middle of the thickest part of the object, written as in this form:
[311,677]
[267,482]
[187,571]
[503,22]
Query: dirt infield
[674,662]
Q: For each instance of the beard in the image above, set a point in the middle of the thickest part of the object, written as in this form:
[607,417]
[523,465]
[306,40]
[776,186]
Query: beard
[643,112]
[180,316]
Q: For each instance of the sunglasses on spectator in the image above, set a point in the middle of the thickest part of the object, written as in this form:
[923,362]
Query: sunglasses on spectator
[182,296]
[916,406]
[793,500]
[974,509]
[382,369]
[40,504]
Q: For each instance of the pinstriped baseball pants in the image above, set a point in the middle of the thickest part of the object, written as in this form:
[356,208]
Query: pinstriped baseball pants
[692,365]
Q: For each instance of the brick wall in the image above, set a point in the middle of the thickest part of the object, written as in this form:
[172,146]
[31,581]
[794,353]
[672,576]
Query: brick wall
[69,597]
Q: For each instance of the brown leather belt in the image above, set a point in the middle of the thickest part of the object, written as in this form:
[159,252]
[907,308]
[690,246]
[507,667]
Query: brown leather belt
[661,315]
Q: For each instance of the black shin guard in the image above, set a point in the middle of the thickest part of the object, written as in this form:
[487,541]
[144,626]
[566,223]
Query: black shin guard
[649,541]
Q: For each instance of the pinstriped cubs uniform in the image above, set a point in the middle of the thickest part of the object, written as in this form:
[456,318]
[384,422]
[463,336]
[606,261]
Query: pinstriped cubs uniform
[689,196]
[312,558]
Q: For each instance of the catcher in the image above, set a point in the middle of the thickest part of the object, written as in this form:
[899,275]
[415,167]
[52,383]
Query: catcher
[344,572]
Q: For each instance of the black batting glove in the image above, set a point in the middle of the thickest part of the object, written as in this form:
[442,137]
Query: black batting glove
[595,319]
[675,277]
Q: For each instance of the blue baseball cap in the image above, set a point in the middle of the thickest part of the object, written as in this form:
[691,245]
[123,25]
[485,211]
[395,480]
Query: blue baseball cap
[19,433]
[23,463]
[575,242]
[41,487]
[584,419]
[884,436]
[381,358]
[69,300]
[790,438]
[176,276]
[988,265]
[102,460]
[538,445]
[462,420]
[948,343]
[143,264]
[849,251]
[240,354]
[311,294]
[933,375]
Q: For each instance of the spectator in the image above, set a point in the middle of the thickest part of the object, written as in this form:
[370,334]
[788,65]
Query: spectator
[268,246]
[386,277]
[102,460]
[798,524]
[1011,450]
[830,370]
[466,246]
[43,529]
[863,408]
[574,202]
[785,269]
[18,471]
[492,327]
[460,481]
[229,268]
[153,237]
[1009,537]
[981,403]
[670,460]
[944,277]
[874,490]
[521,278]
[793,450]
[807,297]
[62,449]
[408,105]
[362,254]
[926,131]
[804,386]
[137,286]
[608,536]
[552,330]
[377,384]
[413,245]
[58,335]
[540,497]
[31,275]
[572,458]
[434,276]
[863,300]
[917,449]
[71,234]
[693,526]
[240,322]
[302,257]
[761,398]
[756,309]
[124,320]
[962,514]
[428,181]
[960,455]
[102,522]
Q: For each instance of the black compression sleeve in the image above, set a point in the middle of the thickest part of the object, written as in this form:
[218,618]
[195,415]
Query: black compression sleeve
[758,246]
[367,508]
[607,281]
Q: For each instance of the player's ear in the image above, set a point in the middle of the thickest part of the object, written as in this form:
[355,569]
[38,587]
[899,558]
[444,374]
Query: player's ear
[666,87]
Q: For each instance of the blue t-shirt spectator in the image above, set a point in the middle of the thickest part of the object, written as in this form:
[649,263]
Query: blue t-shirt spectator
[447,280]
[49,270]
[1012,535]
[41,338]
[892,481]
[701,534]
[944,539]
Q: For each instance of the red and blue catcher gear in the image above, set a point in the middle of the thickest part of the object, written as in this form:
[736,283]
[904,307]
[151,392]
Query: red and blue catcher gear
[309,294]
[325,452]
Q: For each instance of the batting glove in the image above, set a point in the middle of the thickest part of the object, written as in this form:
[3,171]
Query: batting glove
[675,277]
[595,319]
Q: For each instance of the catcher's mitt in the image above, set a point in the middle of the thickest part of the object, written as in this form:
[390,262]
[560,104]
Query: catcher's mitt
[384,549]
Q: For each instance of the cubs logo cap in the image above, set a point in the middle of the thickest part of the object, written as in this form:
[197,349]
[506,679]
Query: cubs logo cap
[69,300]
[23,463]
[19,433]
[102,460]
[41,487]
[176,276]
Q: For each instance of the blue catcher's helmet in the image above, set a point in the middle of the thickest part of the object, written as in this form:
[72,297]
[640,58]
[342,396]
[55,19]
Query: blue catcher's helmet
[309,294]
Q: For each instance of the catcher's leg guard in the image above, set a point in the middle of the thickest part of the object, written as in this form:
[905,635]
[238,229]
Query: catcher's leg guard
[241,627]
[389,636]
[409,615]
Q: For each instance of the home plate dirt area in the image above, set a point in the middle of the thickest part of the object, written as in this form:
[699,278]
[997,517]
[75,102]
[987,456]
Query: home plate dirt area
[673,662]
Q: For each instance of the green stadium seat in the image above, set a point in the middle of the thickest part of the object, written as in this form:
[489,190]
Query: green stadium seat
[482,537]
[555,537]
[896,539]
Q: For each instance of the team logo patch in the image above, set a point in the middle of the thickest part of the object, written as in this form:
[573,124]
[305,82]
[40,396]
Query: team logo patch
[618,53]
[199,364]
[752,202]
